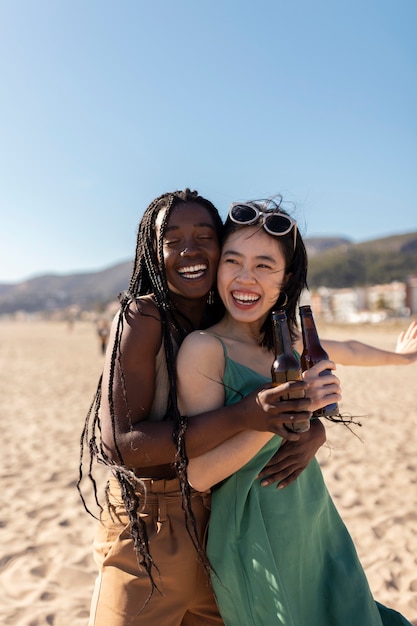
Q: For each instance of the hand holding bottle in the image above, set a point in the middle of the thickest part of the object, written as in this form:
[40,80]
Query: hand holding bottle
[284,407]
[323,386]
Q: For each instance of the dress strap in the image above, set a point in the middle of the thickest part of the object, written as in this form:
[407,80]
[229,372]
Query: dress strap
[226,356]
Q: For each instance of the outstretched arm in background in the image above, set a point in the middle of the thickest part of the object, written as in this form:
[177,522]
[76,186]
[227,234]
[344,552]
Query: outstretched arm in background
[358,353]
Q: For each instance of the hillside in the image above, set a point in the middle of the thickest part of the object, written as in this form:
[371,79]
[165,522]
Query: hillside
[52,291]
[333,262]
[373,262]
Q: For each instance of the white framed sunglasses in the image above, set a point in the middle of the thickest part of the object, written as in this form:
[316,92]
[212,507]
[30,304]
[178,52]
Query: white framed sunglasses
[274,221]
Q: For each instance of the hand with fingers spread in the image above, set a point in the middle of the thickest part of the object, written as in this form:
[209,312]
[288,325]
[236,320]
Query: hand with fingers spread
[407,343]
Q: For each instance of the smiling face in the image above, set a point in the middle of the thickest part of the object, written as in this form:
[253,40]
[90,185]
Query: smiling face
[190,250]
[251,273]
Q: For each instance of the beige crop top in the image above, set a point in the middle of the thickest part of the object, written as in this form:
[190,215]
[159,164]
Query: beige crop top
[160,401]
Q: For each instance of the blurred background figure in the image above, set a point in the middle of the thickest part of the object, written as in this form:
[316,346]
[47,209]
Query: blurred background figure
[103,329]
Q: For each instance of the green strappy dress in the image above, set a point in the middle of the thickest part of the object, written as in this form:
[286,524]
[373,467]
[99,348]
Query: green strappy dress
[284,556]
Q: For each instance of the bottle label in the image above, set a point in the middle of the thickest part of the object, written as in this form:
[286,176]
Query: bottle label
[284,377]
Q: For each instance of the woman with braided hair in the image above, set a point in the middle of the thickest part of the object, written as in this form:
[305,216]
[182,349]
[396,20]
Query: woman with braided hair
[149,544]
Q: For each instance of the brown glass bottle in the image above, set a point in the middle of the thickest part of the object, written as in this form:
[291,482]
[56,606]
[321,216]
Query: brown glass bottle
[286,366]
[313,353]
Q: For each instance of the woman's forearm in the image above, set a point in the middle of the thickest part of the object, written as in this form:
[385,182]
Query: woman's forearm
[219,463]
[357,353]
[148,443]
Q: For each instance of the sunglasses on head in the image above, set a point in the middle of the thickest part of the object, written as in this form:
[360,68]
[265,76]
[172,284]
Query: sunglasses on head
[274,222]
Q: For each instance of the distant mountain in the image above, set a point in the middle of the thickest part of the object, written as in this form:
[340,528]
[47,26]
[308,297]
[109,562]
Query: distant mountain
[52,291]
[333,262]
[317,245]
[369,263]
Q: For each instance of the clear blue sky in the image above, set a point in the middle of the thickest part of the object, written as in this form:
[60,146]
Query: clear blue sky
[105,105]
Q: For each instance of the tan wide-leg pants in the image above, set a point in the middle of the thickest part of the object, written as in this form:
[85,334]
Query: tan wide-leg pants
[122,586]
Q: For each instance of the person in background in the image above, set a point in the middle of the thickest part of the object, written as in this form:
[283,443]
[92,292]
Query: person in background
[103,331]
[277,556]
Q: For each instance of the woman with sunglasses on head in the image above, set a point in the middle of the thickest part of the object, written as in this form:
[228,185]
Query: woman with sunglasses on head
[277,556]
[149,545]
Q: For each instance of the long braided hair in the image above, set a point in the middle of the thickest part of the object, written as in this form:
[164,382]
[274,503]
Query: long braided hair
[148,277]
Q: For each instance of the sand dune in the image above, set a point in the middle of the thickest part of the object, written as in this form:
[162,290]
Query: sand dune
[48,375]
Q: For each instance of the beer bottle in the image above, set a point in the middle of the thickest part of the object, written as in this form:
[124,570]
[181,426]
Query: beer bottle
[313,353]
[286,366]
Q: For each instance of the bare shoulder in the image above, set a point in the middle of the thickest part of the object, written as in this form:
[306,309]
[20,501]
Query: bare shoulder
[201,341]
[200,368]
[140,327]
[201,354]
[144,307]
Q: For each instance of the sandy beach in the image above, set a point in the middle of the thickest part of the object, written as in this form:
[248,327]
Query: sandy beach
[48,375]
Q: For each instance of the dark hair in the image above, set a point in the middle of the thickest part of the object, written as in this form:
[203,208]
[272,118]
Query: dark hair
[149,277]
[295,267]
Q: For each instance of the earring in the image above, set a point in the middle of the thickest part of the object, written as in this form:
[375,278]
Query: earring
[210,298]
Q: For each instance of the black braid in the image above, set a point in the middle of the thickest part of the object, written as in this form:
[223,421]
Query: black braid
[148,277]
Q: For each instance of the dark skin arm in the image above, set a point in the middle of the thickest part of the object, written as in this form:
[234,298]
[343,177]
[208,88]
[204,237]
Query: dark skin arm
[292,457]
[148,446]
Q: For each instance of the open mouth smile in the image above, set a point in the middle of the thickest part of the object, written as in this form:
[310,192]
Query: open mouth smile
[244,298]
[193,272]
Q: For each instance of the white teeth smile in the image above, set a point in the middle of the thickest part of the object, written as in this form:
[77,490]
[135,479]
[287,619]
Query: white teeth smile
[193,271]
[245,298]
